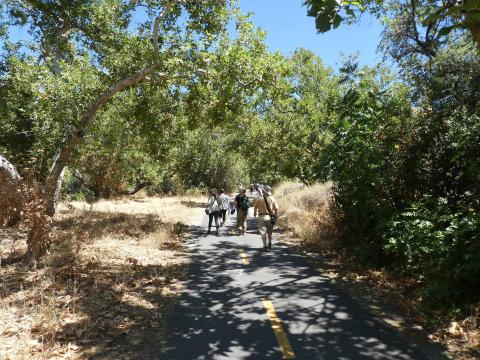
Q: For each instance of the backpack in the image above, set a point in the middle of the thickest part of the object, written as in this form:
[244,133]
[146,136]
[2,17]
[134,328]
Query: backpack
[244,203]
[224,202]
[215,207]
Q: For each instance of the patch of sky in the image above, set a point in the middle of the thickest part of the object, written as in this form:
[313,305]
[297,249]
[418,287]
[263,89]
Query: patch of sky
[288,28]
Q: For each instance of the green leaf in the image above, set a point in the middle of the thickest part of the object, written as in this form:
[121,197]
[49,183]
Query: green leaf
[446,30]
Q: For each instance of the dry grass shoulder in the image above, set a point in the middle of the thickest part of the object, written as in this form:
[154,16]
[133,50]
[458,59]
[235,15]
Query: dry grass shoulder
[308,224]
[306,215]
[109,282]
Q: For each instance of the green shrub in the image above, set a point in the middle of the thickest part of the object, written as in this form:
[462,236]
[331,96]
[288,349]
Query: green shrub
[439,244]
[406,180]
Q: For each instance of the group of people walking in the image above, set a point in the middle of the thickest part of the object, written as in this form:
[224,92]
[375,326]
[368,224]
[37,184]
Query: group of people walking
[265,206]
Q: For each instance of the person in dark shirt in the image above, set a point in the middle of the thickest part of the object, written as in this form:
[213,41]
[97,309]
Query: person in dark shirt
[242,204]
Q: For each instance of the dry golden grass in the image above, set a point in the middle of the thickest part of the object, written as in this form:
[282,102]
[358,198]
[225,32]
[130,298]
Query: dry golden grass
[171,209]
[306,212]
[108,284]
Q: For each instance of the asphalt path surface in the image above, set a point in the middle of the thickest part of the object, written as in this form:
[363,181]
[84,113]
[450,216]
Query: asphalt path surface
[242,303]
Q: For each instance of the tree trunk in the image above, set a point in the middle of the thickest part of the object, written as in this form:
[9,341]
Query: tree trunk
[138,187]
[65,150]
[9,170]
[52,201]
[11,200]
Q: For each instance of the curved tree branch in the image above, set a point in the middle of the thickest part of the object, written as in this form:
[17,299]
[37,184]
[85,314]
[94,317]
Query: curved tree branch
[423,44]
[72,140]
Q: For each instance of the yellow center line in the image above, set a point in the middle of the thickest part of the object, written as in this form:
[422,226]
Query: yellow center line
[244,257]
[278,330]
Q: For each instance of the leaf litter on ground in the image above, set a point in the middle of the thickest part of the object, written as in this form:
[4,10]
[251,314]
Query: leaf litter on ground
[112,276]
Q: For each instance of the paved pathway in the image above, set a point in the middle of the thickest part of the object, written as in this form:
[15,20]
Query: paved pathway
[241,303]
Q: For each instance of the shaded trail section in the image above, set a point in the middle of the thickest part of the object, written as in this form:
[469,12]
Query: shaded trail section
[221,314]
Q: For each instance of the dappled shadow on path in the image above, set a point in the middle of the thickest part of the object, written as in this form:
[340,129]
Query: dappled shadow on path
[206,324]
[221,314]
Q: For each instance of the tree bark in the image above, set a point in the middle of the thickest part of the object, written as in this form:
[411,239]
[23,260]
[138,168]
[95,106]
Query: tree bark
[72,140]
[9,170]
[56,195]
[138,187]
[10,200]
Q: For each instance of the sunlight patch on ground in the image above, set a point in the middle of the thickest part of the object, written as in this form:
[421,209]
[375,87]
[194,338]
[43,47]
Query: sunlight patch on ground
[173,209]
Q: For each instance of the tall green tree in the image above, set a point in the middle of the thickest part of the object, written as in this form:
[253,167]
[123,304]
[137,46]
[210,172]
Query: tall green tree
[99,32]
[292,128]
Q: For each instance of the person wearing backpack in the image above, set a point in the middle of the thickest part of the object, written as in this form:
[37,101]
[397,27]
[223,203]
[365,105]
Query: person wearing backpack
[213,210]
[266,207]
[242,203]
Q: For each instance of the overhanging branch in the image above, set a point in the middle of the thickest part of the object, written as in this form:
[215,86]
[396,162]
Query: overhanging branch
[72,140]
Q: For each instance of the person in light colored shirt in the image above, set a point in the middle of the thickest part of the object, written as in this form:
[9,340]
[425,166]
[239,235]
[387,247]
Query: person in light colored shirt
[224,205]
[260,208]
[213,209]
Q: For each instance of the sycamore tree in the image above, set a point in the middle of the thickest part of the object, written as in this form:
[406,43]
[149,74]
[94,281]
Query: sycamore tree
[291,128]
[231,96]
[82,54]
[191,133]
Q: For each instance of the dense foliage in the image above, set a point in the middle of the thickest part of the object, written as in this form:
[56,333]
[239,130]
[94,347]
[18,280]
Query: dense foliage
[406,170]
